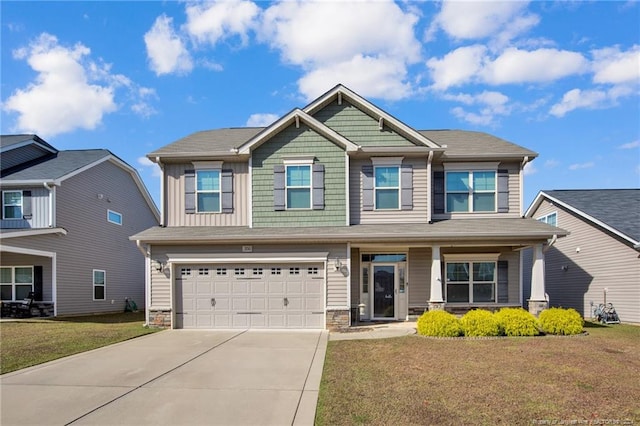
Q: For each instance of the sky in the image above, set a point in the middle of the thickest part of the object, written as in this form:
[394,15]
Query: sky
[559,78]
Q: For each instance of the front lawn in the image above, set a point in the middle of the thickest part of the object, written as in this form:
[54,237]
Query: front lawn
[34,341]
[536,380]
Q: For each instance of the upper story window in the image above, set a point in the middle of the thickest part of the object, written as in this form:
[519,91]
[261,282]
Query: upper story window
[387,187]
[551,219]
[470,191]
[208,191]
[114,217]
[12,204]
[298,186]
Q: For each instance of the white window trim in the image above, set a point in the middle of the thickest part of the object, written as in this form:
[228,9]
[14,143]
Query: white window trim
[471,191]
[544,218]
[301,161]
[116,213]
[4,193]
[471,282]
[13,282]
[219,191]
[398,188]
[104,285]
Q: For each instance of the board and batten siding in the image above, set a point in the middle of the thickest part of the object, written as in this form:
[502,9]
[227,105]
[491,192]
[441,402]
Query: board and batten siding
[291,142]
[94,243]
[39,210]
[603,261]
[357,126]
[175,204]
[418,214]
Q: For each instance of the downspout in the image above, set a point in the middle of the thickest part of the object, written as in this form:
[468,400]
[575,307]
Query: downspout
[162,213]
[147,281]
[429,194]
[550,243]
[524,163]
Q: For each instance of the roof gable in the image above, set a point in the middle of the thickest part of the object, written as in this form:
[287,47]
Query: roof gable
[19,151]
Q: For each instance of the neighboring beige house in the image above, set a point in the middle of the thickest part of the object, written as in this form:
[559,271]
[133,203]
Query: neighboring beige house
[337,211]
[65,226]
[601,253]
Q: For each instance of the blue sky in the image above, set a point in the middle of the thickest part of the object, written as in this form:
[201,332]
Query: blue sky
[560,78]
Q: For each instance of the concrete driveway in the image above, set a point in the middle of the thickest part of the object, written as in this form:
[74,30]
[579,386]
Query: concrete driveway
[176,377]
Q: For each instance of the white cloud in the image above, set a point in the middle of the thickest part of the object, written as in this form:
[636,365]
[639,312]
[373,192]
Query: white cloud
[630,145]
[576,98]
[491,104]
[529,169]
[579,166]
[62,97]
[552,163]
[149,165]
[212,22]
[457,67]
[166,52]
[611,66]
[261,120]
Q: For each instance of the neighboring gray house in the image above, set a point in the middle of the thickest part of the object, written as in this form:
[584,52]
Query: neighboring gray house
[601,252]
[335,208]
[65,226]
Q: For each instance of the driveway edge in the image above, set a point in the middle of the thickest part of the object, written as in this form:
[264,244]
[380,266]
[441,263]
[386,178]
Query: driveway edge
[306,412]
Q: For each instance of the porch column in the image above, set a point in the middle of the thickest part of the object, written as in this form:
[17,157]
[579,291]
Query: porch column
[538,301]
[436,302]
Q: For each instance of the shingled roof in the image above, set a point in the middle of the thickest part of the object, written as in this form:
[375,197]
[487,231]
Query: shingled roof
[62,164]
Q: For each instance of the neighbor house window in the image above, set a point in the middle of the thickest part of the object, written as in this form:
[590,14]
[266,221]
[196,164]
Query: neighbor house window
[471,191]
[12,205]
[551,219]
[387,188]
[298,186]
[99,284]
[15,282]
[114,217]
[471,282]
[208,191]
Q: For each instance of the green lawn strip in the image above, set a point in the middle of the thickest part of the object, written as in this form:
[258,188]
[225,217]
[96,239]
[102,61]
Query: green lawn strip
[417,380]
[31,342]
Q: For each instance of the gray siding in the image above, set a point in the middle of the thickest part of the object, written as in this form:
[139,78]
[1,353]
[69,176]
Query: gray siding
[604,261]
[93,243]
[420,196]
[175,202]
[39,210]
[419,277]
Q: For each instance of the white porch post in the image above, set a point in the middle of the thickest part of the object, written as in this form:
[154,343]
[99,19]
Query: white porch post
[435,300]
[538,301]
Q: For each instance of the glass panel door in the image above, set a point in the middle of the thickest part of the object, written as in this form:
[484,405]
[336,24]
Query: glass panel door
[384,283]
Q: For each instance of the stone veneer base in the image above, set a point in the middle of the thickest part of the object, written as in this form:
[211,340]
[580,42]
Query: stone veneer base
[160,318]
[337,319]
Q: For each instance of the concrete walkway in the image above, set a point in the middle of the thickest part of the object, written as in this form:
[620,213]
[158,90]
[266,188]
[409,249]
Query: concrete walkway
[175,377]
[373,330]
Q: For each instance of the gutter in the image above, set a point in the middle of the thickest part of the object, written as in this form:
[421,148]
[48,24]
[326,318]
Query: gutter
[147,282]
[550,243]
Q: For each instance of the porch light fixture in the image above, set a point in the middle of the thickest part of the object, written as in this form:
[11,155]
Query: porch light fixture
[159,266]
[338,263]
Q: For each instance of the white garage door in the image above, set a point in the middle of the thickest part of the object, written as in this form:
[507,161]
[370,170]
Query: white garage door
[250,296]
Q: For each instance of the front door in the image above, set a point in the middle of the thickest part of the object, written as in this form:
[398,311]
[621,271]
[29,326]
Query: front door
[384,288]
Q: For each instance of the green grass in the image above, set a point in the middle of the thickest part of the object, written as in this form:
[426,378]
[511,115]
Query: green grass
[415,380]
[34,341]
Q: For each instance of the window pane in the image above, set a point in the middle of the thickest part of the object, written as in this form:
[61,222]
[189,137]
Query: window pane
[457,202]
[298,175]
[209,202]
[457,272]
[484,202]
[552,219]
[98,292]
[5,292]
[484,271]
[387,199]
[12,198]
[98,277]
[5,275]
[457,292]
[387,177]
[24,275]
[12,212]
[114,217]
[484,181]
[458,181]
[298,198]
[22,291]
[483,292]
[208,180]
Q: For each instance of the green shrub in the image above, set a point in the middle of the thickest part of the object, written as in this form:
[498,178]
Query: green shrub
[561,321]
[478,323]
[516,322]
[439,324]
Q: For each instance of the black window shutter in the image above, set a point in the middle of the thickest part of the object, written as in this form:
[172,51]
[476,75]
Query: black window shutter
[279,187]
[503,281]
[37,282]
[503,191]
[438,192]
[26,205]
[406,183]
[227,191]
[189,191]
[318,187]
[367,188]
[2,204]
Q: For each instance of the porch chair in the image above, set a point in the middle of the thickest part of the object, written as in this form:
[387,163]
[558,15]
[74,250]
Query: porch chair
[23,309]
